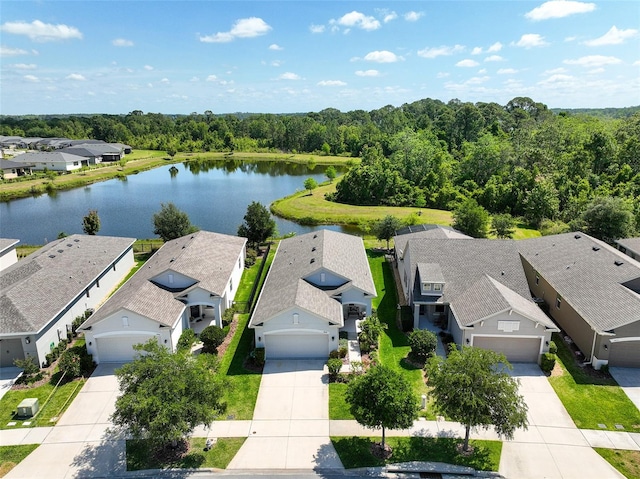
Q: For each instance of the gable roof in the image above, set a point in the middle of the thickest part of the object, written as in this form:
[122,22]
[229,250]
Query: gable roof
[48,157]
[8,244]
[301,256]
[630,244]
[10,165]
[424,231]
[598,281]
[36,289]
[208,258]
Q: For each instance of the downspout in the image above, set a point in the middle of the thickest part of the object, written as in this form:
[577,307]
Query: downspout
[593,347]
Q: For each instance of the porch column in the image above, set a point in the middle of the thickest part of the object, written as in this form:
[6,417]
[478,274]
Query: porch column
[416,316]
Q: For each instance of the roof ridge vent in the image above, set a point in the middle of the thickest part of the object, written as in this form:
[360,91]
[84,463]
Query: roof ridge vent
[618,262]
[595,248]
[313,260]
[313,249]
[577,236]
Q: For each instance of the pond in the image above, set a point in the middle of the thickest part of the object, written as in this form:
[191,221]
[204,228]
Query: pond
[215,195]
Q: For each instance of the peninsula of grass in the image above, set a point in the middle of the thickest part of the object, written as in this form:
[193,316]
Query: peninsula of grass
[13,455]
[591,399]
[626,462]
[356,452]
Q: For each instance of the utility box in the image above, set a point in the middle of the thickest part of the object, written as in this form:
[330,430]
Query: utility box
[28,407]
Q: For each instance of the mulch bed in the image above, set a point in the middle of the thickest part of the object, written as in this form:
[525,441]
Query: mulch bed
[381,453]
[227,340]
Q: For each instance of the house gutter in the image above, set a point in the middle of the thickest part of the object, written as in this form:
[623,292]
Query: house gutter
[593,346]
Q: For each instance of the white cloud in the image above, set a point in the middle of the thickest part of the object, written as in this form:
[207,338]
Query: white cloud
[555,71]
[243,28]
[467,63]
[559,9]
[289,76]
[592,61]
[530,40]
[276,63]
[596,71]
[507,71]
[148,67]
[477,80]
[331,83]
[275,47]
[212,78]
[557,81]
[31,78]
[476,51]
[316,28]
[443,75]
[194,79]
[24,66]
[381,56]
[612,37]
[413,16]
[571,39]
[164,80]
[440,51]
[482,71]
[39,31]
[358,20]
[494,58]
[368,73]
[75,77]
[122,42]
[12,52]
[636,63]
[496,47]
[388,17]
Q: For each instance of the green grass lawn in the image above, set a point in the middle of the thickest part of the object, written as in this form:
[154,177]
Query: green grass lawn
[626,462]
[592,400]
[356,452]
[13,455]
[338,407]
[139,457]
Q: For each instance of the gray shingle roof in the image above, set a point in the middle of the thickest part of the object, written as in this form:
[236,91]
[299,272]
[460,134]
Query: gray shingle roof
[208,258]
[47,157]
[37,288]
[6,243]
[584,272]
[425,231]
[299,257]
[632,244]
[430,272]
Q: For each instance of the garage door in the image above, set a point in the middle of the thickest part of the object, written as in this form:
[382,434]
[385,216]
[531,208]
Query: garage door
[118,349]
[296,346]
[517,350]
[10,349]
[625,354]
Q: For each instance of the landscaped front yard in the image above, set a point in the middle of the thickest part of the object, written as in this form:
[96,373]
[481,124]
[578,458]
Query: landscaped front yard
[13,455]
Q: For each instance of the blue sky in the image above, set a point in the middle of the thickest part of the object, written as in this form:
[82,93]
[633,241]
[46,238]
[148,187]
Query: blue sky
[300,56]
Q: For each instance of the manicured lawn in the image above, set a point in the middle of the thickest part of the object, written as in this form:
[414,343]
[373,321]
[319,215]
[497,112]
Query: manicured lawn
[356,451]
[13,455]
[626,462]
[139,457]
[338,407]
[54,408]
[592,400]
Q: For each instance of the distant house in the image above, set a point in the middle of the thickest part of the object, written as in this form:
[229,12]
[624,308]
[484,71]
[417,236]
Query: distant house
[630,247]
[475,289]
[316,281]
[52,161]
[108,151]
[592,292]
[187,284]
[8,255]
[14,169]
[41,295]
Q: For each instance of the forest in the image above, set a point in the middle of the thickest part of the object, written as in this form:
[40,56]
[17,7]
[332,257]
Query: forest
[549,168]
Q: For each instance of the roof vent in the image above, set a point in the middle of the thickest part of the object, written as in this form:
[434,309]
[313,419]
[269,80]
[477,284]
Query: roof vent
[618,262]
[313,249]
[172,260]
[313,260]
[52,256]
[77,240]
[60,251]
[315,236]
[69,245]
[577,236]
[595,248]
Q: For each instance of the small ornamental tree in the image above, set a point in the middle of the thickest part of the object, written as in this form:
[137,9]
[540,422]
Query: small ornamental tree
[385,229]
[472,386]
[423,344]
[310,184]
[471,219]
[382,398]
[212,337]
[370,331]
[330,173]
[258,224]
[69,364]
[503,226]
[91,223]
[170,223]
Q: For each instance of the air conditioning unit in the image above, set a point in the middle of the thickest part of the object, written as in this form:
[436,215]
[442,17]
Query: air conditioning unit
[28,407]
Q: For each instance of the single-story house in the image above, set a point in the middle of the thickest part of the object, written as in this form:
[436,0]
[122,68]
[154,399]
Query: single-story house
[188,283]
[42,294]
[109,151]
[14,169]
[591,290]
[8,255]
[475,289]
[51,160]
[316,282]
[630,247]
[52,143]
[92,155]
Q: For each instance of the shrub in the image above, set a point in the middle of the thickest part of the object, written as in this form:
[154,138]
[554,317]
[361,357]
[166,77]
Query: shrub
[187,338]
[335,354]
[250,258]
[553,347]
[212,337]
[547,362]
[28,365]
[258,356]
[227,316]
[357,367]
[70,365]
[370,330]
[334,365]
[343,348]
[423,344]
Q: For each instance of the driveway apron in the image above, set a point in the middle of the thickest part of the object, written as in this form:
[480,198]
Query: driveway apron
[290,427]
[629,381]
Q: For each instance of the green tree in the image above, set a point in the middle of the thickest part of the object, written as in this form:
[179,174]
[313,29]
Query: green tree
[330,173]
[471,218]
[370,330]
[164,396]
[69,364]
[171,223]
[385,229]
[310,184]
[382,398]
[542,202]
[28,365]
[503,226]
[472,386]
[423,344]
[91,223]
[212,337]
[171,151]
[609,219]
[258,224]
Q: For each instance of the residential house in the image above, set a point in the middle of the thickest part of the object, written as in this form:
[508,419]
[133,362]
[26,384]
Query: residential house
[316,282]
[592,291]
[630,247]
[188,283]
[41,295]
[8,255]
[14,169]
[52,161]
[108,151]
[475,289]
[92,155]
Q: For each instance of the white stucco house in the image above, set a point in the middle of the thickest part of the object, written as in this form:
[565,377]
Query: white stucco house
[51,161]
[8,255]
[42,294]
[188,283]
[316,282]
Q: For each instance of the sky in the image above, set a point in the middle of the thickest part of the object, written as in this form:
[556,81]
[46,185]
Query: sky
[264,56]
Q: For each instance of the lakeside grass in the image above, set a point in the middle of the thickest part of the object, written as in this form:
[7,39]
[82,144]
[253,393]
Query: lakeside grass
[13,455]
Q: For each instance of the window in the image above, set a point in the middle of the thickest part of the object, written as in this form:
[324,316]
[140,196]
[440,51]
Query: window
[426,286]
[508,326]
[97,283]
[439,308]
[239,263]
[537,279]
[323,277]
[558,301]
[437,287]
[170,278]
[125,321]
[88,295]
[296,319]
[231,284]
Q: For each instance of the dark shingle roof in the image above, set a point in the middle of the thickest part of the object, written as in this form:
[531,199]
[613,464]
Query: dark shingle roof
[37,288]
[589,275]
[47,157]
[631,244]
[301,256]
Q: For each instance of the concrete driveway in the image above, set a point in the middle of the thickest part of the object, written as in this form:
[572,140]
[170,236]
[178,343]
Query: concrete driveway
[78,445]
[629,381]
[8,376]
[290,427]
[552,447]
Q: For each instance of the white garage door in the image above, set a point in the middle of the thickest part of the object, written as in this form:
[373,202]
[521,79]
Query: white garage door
[625,354]
[296,346]
[517,350]
[118,349]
